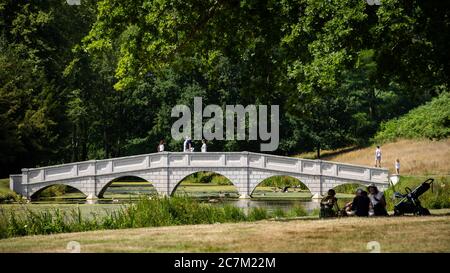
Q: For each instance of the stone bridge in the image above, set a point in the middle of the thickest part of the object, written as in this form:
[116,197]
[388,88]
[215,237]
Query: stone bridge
[167,169]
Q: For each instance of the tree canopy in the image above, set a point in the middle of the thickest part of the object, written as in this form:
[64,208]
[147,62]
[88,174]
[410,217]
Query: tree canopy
[99,79]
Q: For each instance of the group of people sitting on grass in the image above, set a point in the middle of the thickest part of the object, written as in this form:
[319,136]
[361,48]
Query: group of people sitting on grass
[371,203]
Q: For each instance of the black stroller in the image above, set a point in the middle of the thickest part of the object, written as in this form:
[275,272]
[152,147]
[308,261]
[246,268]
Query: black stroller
[409,202]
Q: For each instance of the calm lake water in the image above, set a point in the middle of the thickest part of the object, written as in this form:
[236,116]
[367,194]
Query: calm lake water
[270,205]
[116,196]
[245,204]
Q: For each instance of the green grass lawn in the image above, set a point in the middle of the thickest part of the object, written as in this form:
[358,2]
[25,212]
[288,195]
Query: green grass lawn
[4,185]
[6,195]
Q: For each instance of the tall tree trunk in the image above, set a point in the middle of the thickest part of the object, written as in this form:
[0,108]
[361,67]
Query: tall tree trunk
[84,143]
[74,144]
[318,150]
[105,142]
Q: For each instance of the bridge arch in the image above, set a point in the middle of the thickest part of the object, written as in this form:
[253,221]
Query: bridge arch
[180,177]
[281,182]
[257,176]
[106,185]
[340,183]
[348,187]
[36,191]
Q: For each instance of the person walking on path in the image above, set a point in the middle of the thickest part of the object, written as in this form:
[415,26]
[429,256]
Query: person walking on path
[378,157]
[397,166]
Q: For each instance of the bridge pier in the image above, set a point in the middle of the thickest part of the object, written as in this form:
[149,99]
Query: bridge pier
[317,196]
[91,196]
[244,196]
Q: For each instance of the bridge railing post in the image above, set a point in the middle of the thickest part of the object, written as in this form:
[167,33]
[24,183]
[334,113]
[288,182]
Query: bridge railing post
[149,161]
[94,177]
[320,178]
[246,194]
[223,160]
[25,180]
[168,173]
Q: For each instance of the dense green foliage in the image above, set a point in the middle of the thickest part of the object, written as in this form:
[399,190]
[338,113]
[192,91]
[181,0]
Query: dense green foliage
[6,195]
[99,80]
[348,188]
[144,213]
[283,181]
[217,179]
[207,177]
[431,121]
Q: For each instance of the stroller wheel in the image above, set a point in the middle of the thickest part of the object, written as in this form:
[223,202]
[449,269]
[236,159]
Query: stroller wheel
[397,212]
[423,211]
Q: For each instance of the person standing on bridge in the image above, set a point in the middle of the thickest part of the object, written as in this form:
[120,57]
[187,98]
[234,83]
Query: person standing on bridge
[203,145]
[187,145]
[161,146]
[378,157]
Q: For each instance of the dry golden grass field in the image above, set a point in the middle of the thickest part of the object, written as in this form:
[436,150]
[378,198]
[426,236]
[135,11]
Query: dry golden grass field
[417,157]
[395,234]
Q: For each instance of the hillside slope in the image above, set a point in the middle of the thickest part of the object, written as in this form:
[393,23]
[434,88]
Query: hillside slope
[416,156]
[428,121]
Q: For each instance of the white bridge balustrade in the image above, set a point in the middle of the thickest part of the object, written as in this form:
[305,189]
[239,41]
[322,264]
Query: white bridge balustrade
[166,170]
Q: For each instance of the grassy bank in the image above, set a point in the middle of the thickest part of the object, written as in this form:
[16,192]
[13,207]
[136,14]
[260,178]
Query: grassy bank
[144,213]
[399,234]
[428,121]
[436,198]
[6,195]
[86,210]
